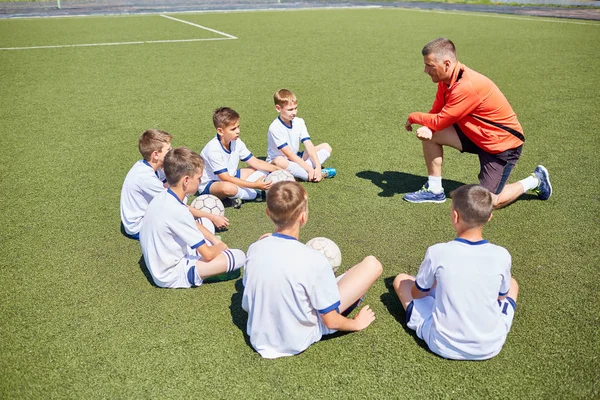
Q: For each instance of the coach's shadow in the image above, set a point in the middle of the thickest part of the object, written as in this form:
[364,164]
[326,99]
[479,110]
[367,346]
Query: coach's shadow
[238,316]
[394,182]
[392,303]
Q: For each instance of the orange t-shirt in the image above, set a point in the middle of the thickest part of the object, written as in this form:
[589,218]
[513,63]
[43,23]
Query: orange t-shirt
[478,107]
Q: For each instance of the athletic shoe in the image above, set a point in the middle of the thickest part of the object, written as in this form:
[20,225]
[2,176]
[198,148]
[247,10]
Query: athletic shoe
[261,196]
[236,203]
[544,189]
[225,276]
[328,172]
[425,196]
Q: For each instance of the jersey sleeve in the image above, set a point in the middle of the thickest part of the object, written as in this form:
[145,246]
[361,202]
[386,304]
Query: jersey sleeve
[324,295]
[184,228]
[152,186]
[216,161]
[244,153]
[426,275]
[460,102]
[505,283]
[303,131]
[280,137]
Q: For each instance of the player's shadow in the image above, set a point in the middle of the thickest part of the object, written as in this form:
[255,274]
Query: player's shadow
[395,182]
[392,303]
[238,316]
[146,272]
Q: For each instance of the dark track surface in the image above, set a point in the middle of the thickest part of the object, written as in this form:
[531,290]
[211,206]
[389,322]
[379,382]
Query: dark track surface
[102,7]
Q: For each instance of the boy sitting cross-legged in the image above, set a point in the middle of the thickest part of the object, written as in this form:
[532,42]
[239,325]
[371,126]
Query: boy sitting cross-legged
[290,292]
[463,300]
[146,179]
[175,248]
[221,177]
[284,137]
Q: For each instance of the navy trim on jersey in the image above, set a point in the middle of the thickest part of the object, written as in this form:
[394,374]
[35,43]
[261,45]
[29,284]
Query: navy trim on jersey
[281,235]
[220,171]
[155,172]
[223,147]
[512,302]
[420,288]
[409,311]
[282,146]
[502,294]
[304,139]
[247,158]
[174,195]
[291,123]
[238,173]
[200,243]
[334,306]
[465,241]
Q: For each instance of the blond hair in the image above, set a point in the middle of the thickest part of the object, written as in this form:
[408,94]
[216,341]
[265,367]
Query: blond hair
[153,140]
[283,97]
[225,116]
[286,200]
[180,162]
[473,203]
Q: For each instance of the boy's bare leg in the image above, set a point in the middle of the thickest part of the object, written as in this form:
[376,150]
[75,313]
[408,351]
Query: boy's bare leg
[223,189]
[357,280]
[220,263]
[403,285]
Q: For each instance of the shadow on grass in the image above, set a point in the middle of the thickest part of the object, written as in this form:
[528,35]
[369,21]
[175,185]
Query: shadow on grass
[394,182]
[392,303]
[238,316]
[146,272]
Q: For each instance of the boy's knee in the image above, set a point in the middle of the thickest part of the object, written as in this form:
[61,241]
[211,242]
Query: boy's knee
[374,265]
[401,278]
[280,161]
[326,147]
[230,189]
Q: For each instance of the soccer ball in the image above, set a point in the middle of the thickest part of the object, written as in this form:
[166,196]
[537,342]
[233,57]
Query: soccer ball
[329,249]
[209,203]
[279,175]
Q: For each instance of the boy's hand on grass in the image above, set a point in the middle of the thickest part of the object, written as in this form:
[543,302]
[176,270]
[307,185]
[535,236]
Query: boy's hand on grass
[364,318]
[219,221]
[318,176]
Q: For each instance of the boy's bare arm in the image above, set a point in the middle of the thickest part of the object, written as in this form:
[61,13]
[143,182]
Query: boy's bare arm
[259,184]
[219,221]
[291,156]
[261,165]
[312,155]
[334,320]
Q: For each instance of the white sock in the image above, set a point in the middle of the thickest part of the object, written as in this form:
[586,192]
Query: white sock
[235,259]
[531,182]
[256,175]
[435,184]
[322,154]
[297,171]
[208,224]
[245,194]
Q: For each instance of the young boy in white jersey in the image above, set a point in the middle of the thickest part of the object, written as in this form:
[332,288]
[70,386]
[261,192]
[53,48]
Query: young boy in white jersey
[176,251]
[221,177]
[463,299]
[290,292]
[284,137]
[146,179]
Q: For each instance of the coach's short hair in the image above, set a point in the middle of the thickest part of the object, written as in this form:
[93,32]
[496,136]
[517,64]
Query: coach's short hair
[283,97]
[440,47]
[153,140]
[474,204]
[225,116]
[285,201]
[180,162]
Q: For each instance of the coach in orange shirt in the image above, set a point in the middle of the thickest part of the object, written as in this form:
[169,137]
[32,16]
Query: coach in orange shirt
[472,115]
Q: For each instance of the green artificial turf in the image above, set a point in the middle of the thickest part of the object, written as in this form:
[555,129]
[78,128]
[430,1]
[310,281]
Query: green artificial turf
[80,318]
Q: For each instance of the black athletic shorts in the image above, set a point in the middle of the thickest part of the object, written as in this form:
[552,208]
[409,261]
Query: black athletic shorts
[494,168]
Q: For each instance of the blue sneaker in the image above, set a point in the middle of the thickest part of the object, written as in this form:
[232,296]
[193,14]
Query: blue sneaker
[425,196]
[328,172]
[544,189]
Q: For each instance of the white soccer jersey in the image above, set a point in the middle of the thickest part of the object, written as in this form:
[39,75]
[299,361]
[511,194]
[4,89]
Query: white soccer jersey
[169,239]
[141,185]
[280,135]
[219,160]
[470,276]
[286,285]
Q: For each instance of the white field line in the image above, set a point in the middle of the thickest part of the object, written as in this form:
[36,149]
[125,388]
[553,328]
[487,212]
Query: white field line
[60,46]
[503,16]
[199,26]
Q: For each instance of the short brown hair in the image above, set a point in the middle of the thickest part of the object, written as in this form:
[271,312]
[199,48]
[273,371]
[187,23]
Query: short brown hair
[153,140]
[225,116]
[180,162]
[285,201]
[473,203]
[440,47]
[284,97]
